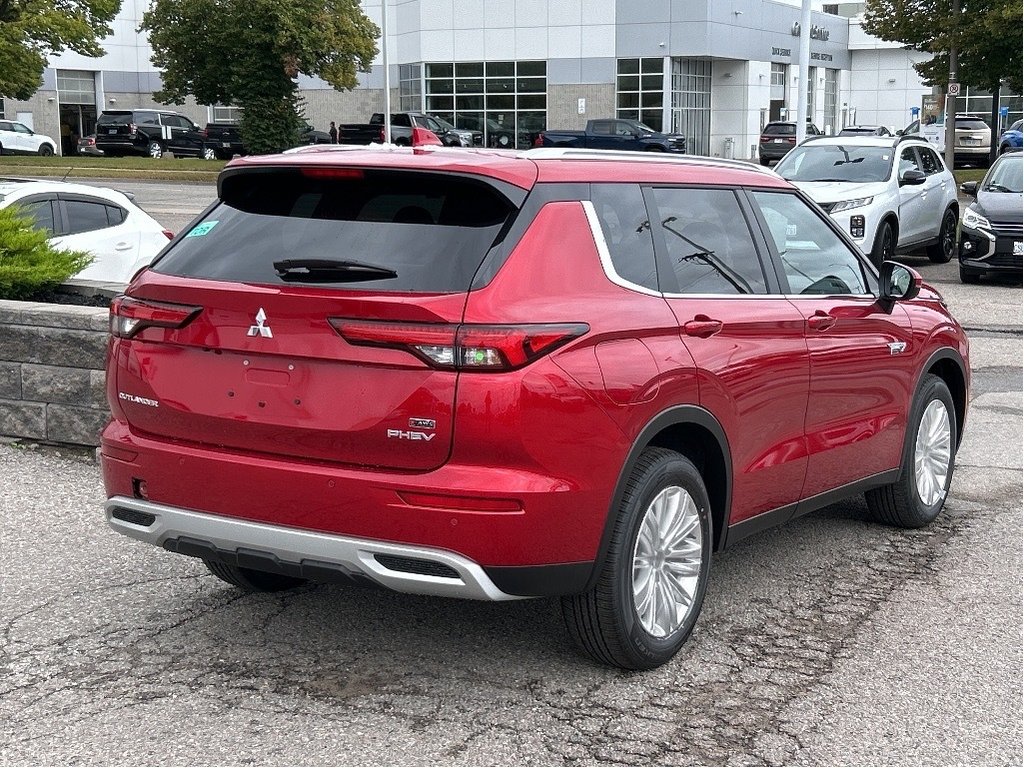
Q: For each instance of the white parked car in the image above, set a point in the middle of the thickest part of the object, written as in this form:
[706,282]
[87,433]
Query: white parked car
[888,194]
[104,222]
[19,139]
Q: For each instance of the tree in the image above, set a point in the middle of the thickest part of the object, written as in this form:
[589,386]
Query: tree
[987,36]
[29,265]
[248,53]
[32,30]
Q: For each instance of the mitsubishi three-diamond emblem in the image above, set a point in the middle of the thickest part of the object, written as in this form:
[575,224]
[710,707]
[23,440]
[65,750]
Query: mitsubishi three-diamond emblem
[261,329]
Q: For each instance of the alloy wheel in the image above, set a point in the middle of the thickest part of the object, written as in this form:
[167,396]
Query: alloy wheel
[667,562]
[932,452]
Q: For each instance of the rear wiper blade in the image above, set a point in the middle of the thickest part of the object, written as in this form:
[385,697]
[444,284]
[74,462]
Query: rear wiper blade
[330,270]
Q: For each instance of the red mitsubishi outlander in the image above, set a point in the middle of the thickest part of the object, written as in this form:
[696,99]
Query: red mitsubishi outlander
[496,375]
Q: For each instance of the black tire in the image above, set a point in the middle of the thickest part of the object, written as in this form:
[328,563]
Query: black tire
[764,161]
[250,580]
[155,150]
[884,247]
[942,251]
[901,504]
[654,148]
[45,150]
[971,278]
[1004,149]
[604,622]
[401,142]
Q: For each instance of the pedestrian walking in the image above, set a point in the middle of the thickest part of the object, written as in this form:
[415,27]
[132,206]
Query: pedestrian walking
[333,133]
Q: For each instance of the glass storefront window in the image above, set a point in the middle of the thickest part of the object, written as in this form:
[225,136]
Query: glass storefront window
[505,100]
[640,90]
[691,103]
[410,88]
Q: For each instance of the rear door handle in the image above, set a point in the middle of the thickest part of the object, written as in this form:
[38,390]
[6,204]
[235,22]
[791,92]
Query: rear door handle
[821,321]
[122,246]
[702,326]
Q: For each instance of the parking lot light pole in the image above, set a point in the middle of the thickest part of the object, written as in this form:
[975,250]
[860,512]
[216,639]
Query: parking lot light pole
[805,63]
[387,69]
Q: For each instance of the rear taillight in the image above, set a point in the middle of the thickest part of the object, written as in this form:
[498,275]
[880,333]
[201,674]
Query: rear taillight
[382,135]
[128,316]
[168,234]
[791,139]
[539,141]
[204,133]
[765,139]
[132,128]
[463,347]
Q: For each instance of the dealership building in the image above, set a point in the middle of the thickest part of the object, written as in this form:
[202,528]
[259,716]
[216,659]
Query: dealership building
[715,71]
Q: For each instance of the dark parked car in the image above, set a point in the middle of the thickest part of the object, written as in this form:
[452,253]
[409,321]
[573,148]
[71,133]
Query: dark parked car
[87,145]
[992,229]
[150,132]
[496,376]
[777,138]
[225,139]
[626,135]
[864,130]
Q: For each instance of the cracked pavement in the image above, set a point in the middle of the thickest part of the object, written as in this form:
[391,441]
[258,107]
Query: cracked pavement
[831,640]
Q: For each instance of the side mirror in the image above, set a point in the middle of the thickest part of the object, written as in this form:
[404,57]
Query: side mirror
[913,177]
[897,282]
[969,188]
[899,132]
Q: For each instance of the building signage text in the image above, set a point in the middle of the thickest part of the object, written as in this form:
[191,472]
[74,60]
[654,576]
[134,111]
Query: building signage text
[782,51]
[821,56]
[817,33]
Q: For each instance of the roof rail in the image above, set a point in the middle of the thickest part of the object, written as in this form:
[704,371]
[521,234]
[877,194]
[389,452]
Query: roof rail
[572,153]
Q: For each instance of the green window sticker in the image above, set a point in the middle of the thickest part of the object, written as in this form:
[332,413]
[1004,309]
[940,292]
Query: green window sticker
[202,229]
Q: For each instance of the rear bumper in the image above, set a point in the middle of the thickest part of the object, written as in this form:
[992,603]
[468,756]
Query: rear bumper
[306,554]
[532,534]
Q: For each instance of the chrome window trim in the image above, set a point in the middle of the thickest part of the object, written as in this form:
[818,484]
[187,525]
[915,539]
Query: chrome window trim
[606,256]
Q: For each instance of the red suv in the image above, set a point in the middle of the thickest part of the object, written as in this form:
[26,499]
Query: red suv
[496,375]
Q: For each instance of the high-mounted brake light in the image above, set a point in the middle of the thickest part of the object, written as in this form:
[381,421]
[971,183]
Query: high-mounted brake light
[332,173]
[128,316]
[463,347]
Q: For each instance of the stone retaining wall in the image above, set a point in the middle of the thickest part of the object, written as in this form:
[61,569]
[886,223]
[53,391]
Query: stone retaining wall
[51,372]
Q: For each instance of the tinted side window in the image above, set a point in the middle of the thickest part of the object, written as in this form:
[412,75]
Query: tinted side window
[84,216]
[929,162]
[115,215]
[627,232]
[41,213]
[707,243]
[814,258]
[908,161]
[602,127]
[147,118]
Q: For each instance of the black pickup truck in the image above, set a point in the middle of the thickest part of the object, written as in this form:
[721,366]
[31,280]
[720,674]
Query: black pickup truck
[630,135]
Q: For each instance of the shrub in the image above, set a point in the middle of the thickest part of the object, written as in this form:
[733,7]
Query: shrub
[28,263]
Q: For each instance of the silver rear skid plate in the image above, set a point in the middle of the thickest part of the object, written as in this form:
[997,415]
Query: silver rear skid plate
[401,567]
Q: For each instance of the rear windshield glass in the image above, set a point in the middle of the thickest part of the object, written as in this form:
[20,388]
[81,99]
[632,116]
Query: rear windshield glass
[431,231]
[971,124]
[780,129]
[114,117]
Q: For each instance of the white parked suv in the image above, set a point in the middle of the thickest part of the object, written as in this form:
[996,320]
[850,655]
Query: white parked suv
[889,194]
[104,222]
[18,139]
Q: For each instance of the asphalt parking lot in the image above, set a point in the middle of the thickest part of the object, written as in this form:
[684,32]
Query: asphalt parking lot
[831,640]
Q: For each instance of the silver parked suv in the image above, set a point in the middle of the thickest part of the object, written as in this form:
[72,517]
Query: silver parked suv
[888,194]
